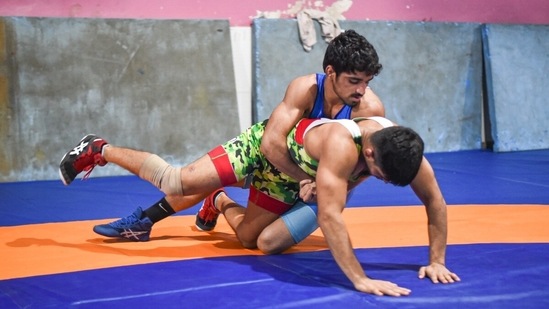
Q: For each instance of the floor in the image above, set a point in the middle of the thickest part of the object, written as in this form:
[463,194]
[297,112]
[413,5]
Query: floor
[498,206]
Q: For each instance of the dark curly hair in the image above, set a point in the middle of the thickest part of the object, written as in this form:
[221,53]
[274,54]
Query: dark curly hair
[398,151]
[350,52]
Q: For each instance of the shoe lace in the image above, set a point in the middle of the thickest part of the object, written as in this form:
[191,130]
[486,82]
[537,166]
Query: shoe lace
[209,215]
[88,169]
[126,221]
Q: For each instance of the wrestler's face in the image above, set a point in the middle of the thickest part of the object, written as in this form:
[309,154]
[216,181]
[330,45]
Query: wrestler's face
[378,173]
[350,87]
[374,170]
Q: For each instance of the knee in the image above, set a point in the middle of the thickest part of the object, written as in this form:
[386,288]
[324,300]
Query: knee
[268,243]
[162,175]
[247,241]
[248,244]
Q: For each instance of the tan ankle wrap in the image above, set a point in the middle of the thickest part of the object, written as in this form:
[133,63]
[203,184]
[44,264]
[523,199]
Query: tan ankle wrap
[161,174]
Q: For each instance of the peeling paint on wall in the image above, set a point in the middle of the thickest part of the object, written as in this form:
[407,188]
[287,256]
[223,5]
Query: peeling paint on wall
[335,10]
[307,12]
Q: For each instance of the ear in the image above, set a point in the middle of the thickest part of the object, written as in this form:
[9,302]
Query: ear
[369,153]
[329,70]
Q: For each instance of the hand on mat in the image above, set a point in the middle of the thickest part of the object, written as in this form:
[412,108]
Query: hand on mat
[307,191]
[438,273]
[380,288]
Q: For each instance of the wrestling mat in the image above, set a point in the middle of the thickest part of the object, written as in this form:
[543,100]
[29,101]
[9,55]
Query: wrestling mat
[498,207]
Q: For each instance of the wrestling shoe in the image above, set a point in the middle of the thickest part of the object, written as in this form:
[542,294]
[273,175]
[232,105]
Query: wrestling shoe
[83,157]
[206,218]
[131,227]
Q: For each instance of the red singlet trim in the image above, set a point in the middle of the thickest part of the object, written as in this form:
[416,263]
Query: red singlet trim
[266,202]
[223,166]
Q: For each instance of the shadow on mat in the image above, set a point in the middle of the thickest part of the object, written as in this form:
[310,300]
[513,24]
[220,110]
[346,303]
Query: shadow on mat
[207,245]
[317,269]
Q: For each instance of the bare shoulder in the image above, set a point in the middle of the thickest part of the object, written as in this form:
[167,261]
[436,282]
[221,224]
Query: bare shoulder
[336,136]
[339,148]
[301,92]
[304,81]
[330,139]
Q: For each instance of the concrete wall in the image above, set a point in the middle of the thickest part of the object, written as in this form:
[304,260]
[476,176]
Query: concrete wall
[29,113]
[431,77]
[517,76]
[163,86]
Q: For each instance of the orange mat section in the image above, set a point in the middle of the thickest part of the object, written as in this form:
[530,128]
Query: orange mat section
[41,249]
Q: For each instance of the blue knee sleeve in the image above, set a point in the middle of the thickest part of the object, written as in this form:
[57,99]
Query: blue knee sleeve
[301,220]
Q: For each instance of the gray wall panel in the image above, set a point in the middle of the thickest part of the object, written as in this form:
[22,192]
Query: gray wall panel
[431,79]
[517,73]
[164,86]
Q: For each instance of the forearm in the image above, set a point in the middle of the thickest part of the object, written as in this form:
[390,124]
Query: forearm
[437,246]
[337,237]
[438,234]
[279,156]
[427,190]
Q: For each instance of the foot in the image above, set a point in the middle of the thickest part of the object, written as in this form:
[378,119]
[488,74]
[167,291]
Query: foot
[131,227]
[206,218]
[84,157]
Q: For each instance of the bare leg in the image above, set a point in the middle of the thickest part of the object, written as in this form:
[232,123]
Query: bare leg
[233,212]
[179,203]
[247,222]
[198,178]
[184,187]
[174,203]
[275,238]
[129,159]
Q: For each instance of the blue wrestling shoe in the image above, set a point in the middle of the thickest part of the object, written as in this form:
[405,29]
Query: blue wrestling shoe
[131,227]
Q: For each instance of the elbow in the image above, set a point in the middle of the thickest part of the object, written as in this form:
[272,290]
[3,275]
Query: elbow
[265,147]
[265,150]
[268,148]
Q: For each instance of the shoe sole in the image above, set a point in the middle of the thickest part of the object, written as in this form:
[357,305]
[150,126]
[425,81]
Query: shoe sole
[204,229]
[119,236]
[198,224]
[62,176]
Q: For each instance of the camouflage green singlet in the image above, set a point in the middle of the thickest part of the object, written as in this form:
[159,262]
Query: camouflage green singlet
[297,151]
[246,158]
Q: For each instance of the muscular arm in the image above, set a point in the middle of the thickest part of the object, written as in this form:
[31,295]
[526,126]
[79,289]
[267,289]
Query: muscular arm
[337,162]
[426,188]
[285,116]
[297,102]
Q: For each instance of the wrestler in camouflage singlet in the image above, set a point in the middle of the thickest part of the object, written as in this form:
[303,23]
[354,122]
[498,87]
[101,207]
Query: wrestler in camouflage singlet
[271,182]
[294,141]
[246,158]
